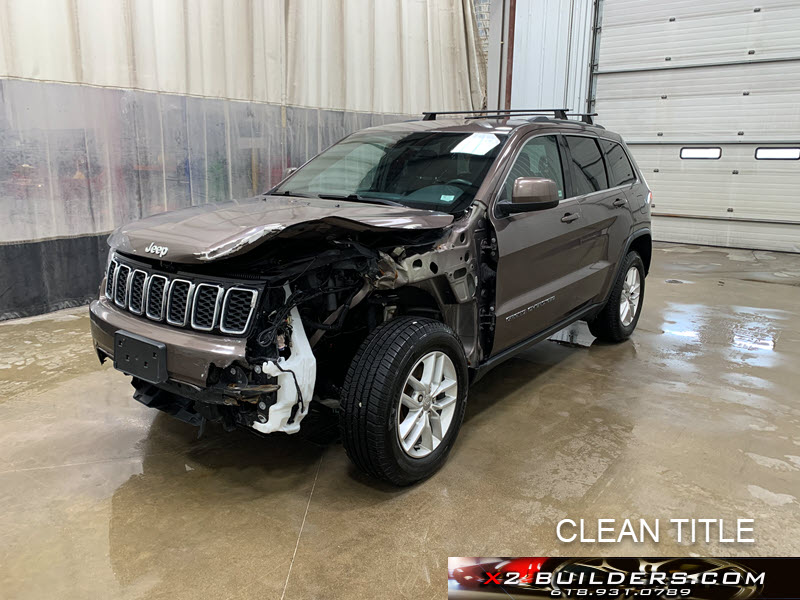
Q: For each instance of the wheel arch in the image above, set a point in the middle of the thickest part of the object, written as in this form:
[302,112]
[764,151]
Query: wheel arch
[643,244]
[420,300]
[641,241]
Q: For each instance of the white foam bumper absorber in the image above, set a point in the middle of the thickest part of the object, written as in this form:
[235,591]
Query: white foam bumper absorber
[304,366]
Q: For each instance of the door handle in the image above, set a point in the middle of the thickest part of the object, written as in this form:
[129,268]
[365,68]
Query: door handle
[570,217]
[620,202]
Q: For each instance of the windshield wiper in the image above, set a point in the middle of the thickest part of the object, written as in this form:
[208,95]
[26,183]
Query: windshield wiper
[291,193]
[359,198]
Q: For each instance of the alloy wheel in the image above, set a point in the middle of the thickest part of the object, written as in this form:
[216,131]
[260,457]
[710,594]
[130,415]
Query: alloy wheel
[427,404]
[629,298]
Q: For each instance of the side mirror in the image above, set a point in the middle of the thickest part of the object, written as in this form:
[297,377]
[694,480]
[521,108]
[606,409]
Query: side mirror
[530,193]
[289,171]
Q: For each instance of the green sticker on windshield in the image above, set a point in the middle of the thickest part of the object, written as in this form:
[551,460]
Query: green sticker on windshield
[447,198]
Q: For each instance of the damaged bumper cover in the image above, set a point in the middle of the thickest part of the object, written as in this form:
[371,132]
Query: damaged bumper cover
[190,355]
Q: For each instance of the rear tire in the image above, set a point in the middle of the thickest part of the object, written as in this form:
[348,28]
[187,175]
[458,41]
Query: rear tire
[613,323]
[379,402]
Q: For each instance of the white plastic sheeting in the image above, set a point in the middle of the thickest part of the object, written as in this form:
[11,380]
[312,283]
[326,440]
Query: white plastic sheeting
[182,102]
[78,160]
[399,56]
[84,159]
[390,56]
[226,49]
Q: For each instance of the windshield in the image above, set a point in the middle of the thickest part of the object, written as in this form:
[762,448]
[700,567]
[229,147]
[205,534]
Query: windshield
[428,169]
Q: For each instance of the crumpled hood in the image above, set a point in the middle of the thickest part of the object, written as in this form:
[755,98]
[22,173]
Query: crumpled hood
[209,232]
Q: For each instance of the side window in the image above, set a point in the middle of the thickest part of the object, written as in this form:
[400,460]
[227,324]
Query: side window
[588,171]
[620,169]
[538,158]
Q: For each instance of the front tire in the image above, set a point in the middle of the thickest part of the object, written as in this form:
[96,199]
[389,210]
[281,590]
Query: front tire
[403,400]
[618,319]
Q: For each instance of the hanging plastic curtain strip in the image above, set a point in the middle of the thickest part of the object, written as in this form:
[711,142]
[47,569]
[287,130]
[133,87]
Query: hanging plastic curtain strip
[80,160]
[428,52]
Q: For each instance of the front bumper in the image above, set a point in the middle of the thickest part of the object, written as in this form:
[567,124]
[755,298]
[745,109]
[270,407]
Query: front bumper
[190,354]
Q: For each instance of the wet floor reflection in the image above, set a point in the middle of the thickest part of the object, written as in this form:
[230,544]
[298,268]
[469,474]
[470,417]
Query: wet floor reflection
[227,510]
[577,334]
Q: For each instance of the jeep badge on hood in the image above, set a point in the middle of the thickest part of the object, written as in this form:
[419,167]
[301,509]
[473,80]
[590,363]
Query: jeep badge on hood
[158,250]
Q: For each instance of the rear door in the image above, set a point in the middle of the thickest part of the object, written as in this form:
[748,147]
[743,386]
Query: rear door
[604,207]
[538,251]
[622,174]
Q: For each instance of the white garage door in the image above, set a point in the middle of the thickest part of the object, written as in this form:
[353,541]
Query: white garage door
[708,96]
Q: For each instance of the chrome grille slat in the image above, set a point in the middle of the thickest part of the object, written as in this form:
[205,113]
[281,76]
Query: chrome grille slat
[222,307]
[237,310]
[121,285]
[179,301]
[112,267]
[206,305]
[156,296]
[136,298]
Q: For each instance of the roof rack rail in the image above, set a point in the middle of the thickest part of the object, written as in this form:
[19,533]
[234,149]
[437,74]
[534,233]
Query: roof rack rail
[585,117]
[520,114]
[559,113]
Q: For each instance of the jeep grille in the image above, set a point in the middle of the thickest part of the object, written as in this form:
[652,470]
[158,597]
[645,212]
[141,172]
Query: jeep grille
[225,307]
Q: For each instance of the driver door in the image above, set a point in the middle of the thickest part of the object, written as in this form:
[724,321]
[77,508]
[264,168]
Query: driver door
[538,251]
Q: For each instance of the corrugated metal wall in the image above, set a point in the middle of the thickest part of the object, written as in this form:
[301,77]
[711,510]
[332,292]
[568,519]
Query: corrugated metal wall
[551,53]
[552,46]
[181,102]
[722,74]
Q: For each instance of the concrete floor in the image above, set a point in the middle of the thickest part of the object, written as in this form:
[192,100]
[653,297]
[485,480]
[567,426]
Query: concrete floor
[697,416]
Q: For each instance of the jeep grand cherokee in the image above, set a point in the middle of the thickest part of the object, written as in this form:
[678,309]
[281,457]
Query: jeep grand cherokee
[380,279]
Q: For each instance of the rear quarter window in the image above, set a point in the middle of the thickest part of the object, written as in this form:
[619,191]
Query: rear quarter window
[620,169]
[588,171]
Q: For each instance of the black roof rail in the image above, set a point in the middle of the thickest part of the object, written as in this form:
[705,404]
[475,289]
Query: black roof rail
[585,117]
[538,115]
[559,113]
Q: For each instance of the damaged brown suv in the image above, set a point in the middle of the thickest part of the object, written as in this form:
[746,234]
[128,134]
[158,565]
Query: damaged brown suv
[380,279]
